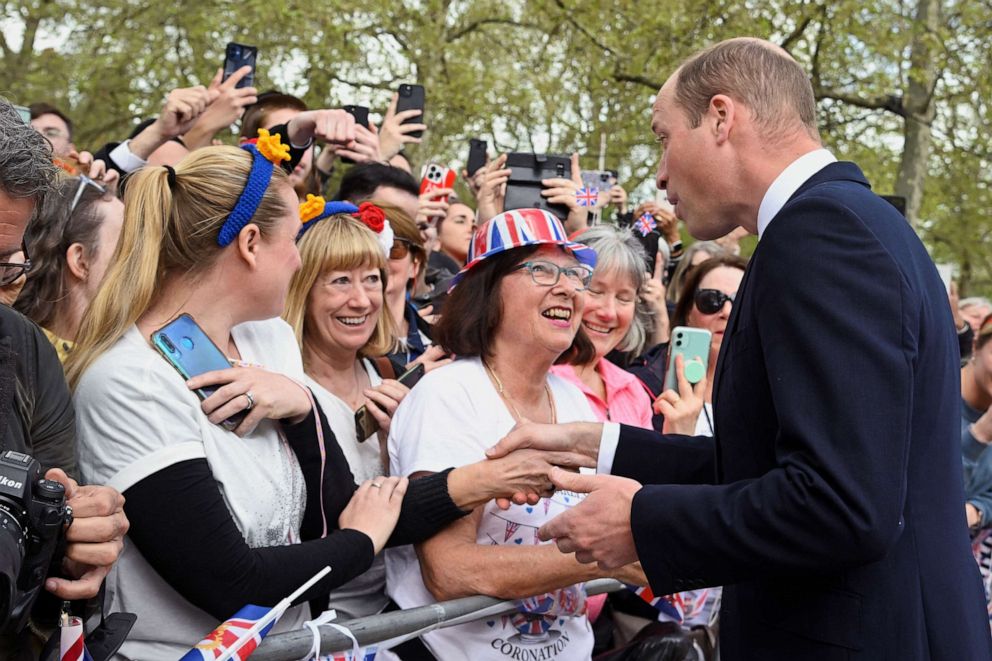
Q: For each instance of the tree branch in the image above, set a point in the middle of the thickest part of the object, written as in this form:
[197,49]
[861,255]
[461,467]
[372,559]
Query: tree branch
[794,36]
[575,24]
[890,102]
[640,80]
[475,25]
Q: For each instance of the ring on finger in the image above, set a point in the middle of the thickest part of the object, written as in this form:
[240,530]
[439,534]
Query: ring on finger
[251,400]
[377,485]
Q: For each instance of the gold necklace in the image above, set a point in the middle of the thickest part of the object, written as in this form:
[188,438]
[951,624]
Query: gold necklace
[506,398]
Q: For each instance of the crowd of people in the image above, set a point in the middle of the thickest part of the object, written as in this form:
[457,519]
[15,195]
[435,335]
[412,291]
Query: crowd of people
[231,487]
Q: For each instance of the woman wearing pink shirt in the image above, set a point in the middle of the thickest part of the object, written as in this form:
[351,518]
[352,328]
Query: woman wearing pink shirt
[609,321]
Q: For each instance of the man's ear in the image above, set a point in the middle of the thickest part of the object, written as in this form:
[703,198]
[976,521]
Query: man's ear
[723,113]
[249,241]
[75,259]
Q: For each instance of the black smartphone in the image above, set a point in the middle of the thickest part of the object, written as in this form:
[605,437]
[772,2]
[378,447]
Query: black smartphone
[411,97]
[476,155]
[361,115]
[523,190]
[237,56]
[191,352]
[365,423]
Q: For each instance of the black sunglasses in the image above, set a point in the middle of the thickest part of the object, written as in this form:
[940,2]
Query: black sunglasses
[710,301]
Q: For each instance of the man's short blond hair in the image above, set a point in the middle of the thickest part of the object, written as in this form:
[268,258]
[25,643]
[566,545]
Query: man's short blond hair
[757,73]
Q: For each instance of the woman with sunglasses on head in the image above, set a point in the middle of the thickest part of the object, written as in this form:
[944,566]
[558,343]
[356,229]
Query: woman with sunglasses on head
[71,243]
[407,260]
[514,310]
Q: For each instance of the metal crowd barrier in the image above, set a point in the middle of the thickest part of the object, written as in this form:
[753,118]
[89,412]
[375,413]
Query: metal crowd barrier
[373,629]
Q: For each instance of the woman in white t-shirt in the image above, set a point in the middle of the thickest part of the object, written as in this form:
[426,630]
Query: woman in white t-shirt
[514,311]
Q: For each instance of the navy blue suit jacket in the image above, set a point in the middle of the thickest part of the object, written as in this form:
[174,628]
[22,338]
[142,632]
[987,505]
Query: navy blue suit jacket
[830,502]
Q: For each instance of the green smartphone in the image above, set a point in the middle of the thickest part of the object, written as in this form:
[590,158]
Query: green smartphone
[693,344]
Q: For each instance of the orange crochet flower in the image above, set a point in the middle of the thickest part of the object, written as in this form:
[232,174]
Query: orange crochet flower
[271,147]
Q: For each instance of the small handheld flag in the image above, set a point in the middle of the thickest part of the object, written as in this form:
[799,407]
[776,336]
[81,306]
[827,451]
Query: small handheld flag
[645,224]
[240,635]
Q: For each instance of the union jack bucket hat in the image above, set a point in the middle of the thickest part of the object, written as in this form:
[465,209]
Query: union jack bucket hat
[519,228]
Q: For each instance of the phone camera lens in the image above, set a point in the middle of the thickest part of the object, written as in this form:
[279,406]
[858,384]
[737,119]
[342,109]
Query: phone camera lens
[678,343]
[168,343]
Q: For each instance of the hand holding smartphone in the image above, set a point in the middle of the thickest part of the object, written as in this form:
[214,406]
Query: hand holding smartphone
[693,344]
[365,422]
[191,352]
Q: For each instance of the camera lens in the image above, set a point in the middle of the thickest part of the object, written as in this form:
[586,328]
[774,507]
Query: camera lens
[168,343]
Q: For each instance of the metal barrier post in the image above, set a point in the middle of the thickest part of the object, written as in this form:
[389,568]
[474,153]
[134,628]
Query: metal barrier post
[369,630]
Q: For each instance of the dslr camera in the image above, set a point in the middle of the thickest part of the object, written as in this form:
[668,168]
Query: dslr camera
[33,515]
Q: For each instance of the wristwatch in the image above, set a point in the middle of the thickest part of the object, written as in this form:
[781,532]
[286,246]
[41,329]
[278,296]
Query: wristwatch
[677,248]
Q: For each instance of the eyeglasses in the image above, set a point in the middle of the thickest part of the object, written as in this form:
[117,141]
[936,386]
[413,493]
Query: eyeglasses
[710,301]
[401,248]
[11,271]
[85,181]
[547,274]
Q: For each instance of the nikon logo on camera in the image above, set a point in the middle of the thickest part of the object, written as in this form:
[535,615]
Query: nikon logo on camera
[13,484]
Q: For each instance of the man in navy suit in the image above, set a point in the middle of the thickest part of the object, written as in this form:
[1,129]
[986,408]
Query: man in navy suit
[829,502]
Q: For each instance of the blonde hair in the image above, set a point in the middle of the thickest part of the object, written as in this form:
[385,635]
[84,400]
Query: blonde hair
[338,243]
[168,231]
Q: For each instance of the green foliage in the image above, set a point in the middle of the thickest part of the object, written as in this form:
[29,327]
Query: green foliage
[542,75]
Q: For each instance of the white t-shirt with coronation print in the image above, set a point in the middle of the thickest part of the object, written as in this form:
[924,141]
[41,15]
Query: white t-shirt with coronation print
[450,419]
[135,416]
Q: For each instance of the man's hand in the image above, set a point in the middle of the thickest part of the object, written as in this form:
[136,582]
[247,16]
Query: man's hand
[597,529]
[395,134]
[490,188]
[95,538]
[431,206]
[335,127]
[227,106]
[366,149]
[574,437]
[618,197]
[565,192]
[182,108]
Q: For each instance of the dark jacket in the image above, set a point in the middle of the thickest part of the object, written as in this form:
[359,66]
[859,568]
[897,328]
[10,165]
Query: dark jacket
[830,501]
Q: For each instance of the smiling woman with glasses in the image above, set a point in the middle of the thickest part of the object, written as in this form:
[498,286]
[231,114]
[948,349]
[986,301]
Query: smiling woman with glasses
[71,242]
[514,310]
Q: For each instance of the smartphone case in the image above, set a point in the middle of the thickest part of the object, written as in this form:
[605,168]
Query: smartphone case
[191,352]
[437,176]
[412,97]
[693,344]
[476,155]
[239,55]
[523,190]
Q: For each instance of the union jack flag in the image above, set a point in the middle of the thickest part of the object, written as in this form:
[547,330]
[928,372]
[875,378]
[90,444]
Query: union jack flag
[587,197]
[669,604]
[216,643]
[366,654]
[645,224]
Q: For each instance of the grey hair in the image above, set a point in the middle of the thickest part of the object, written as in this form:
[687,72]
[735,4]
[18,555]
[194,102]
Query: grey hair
[617,251]
[977,301]
[26,168]
[711,248]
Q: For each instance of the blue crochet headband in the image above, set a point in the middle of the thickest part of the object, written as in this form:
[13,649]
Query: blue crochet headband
[266,151]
